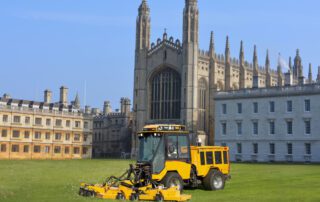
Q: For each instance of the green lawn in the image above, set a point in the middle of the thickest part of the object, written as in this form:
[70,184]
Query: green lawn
[59,181]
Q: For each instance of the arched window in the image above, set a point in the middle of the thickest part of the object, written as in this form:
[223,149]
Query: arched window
[202,104]
[165,95]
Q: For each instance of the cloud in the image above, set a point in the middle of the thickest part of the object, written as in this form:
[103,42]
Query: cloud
[75,18]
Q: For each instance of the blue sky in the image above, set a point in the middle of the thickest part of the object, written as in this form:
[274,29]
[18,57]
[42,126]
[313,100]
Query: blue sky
[49,43]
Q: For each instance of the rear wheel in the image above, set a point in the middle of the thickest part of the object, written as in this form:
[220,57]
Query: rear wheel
[173,180]
[159,198]
[214,180]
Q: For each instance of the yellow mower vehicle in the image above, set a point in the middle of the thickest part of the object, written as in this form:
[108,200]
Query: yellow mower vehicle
[166,164]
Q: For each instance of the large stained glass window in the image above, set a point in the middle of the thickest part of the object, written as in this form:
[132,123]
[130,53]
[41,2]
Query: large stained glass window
[166,95]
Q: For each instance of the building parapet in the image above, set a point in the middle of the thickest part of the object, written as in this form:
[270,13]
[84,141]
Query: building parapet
[165,42]
[308,89]
[10,108]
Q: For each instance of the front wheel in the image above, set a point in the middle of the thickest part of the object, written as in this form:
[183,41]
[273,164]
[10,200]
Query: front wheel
[173,180]
[120,196]
[214,180]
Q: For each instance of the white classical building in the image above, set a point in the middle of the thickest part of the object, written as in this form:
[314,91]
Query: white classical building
[280,124]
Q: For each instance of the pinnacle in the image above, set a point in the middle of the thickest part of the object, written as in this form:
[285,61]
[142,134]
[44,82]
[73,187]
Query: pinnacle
[227,43]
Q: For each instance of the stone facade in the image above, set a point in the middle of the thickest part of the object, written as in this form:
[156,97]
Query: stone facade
[44,130]
[270,124]
[175,82]
[112,131]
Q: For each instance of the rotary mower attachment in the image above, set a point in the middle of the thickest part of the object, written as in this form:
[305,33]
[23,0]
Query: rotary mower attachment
[132,189]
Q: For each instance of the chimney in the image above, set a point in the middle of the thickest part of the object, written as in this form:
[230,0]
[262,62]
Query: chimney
[288,78]
[95,111]
[64,95]
[122,105]
[6,96]
[87,109]
[47,96]
[107,108]
[127,105]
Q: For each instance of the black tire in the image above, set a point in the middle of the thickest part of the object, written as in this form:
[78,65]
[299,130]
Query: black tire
[134,197]
[120,196]
[81,192]
[86,193]
[214,180]
[159,198]
[172,179]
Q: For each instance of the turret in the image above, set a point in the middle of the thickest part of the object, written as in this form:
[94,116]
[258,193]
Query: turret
[191,22]
[288,78]
[242,76]
[107,108]
[268,73]
[297,67]
[143,27]
[125,105]
[190,65]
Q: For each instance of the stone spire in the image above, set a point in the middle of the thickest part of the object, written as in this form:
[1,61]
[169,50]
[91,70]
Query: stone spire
[211,48]
[268,75]
[242,76]
[228,72]
[310,74]
[77,101]
[267,62]
[255,79]
[241,57]
[227,50]
[255,62]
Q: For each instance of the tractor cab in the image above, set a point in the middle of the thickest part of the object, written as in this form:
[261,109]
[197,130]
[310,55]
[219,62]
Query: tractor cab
[161,143]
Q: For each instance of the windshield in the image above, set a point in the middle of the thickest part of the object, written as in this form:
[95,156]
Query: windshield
[148,145]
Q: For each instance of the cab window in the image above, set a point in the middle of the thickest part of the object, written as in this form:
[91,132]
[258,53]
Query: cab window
[209,157]
[203,161]
[172,147]
[183,146]
[225,158]
[218,157]
[177,147]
